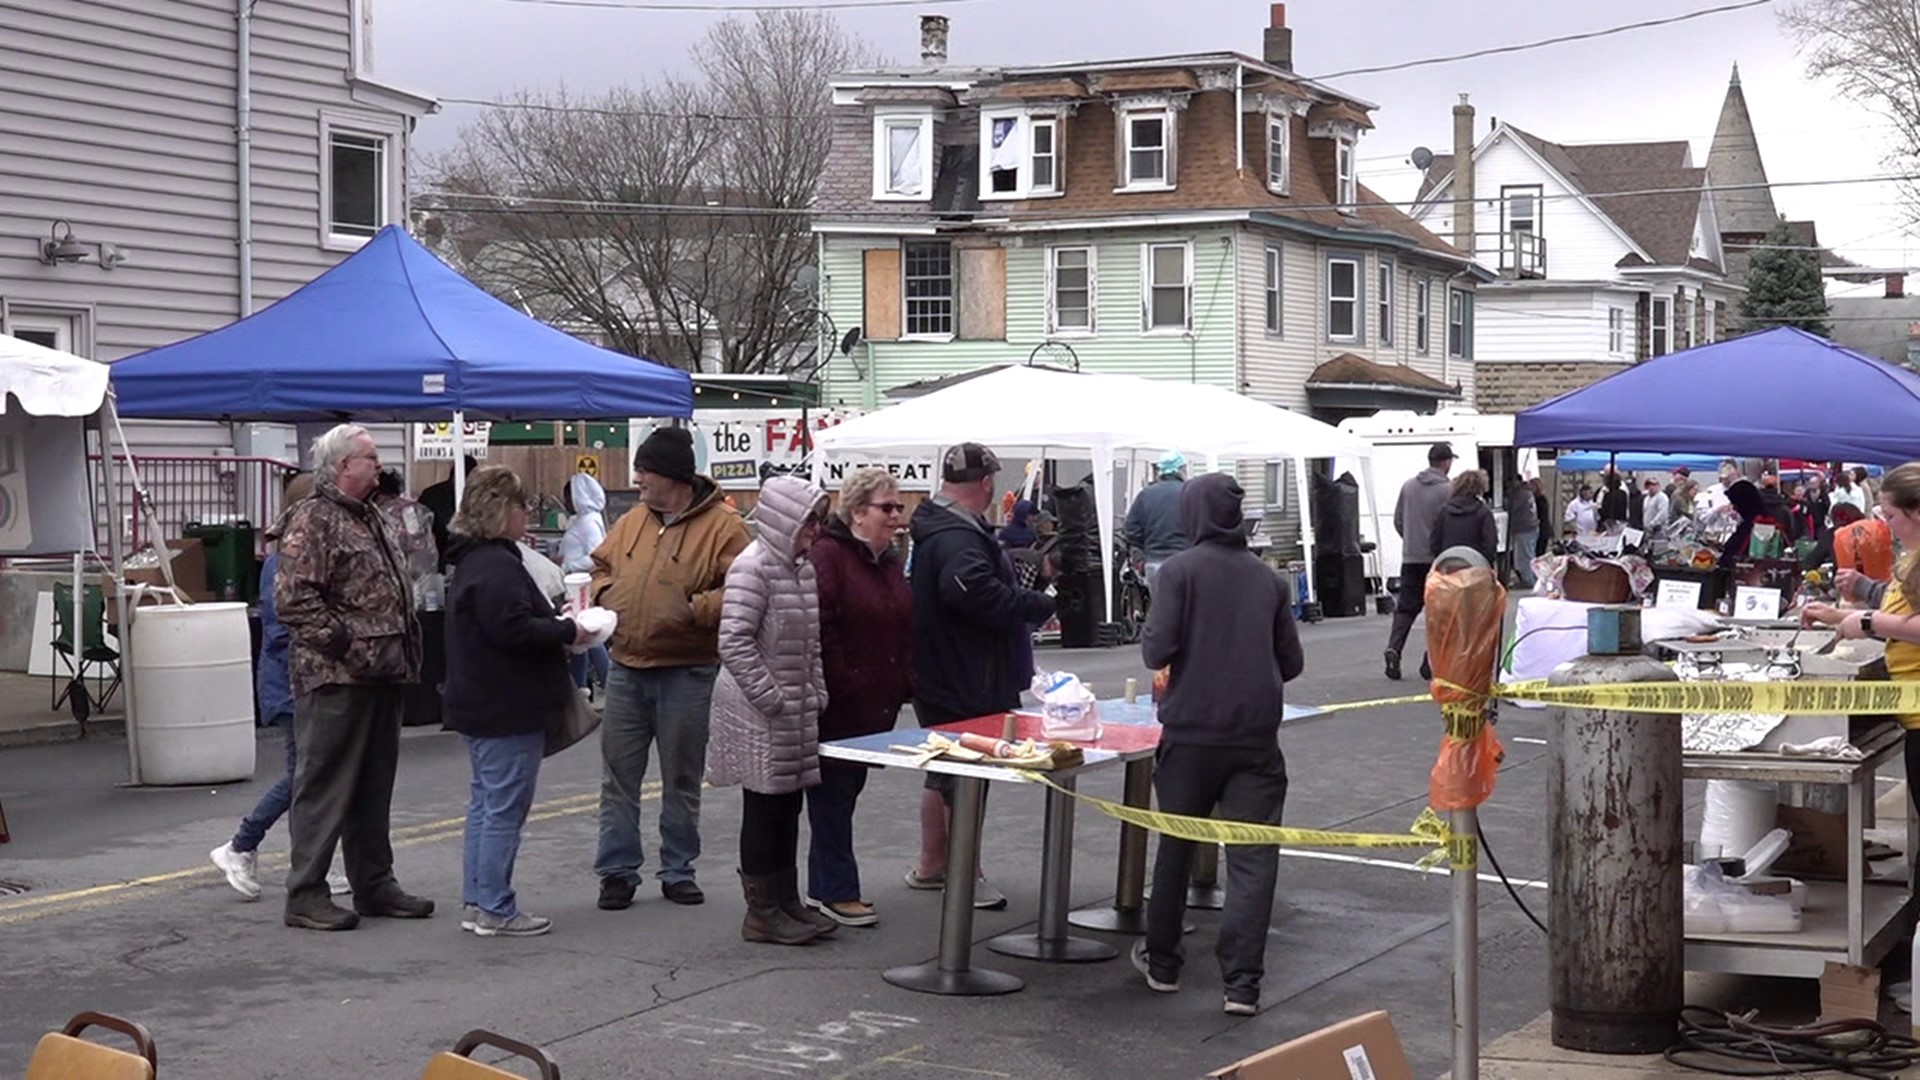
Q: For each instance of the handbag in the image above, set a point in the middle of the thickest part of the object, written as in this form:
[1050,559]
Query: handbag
[571,724]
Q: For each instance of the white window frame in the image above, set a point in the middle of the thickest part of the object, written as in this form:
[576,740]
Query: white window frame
[953,293]
[1383,302]
[1279,152]
[1054,329]
[1160,183]
[387,133]
[1147,286]
[885,120]
[1423,315]
[1660,326]
[1025,123]
[1710,327]
[1358,299]
[1457,316]
[1346,173]
[62,328]
[1274,290]
[1052,122]
[1693,314]
[1616,331]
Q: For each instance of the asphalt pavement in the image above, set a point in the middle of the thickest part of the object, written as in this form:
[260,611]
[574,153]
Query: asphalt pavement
[115,908]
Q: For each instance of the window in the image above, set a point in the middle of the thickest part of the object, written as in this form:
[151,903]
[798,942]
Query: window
[356,184]
[1167,286]
[1147,147]
[1279,151]
[1019,155]
[50,330]
[927,282]
[1521,248]
[1383,296]
[1275,269]
[1710,314]
[1348,192]
[1686,331]
[1343,299]
[1422,314]
[1459,323]
[1070,290]
[1046,155]
[903,156]
[1005,154]
[1660,330]
[1522,207]
[1616,331]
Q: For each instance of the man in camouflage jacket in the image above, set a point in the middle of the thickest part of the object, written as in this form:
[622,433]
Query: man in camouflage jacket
[344,594]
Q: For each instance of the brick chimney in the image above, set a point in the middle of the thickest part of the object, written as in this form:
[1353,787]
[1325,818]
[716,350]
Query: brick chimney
[1896,286]
[1463,210]
[1278,45]
[933,40]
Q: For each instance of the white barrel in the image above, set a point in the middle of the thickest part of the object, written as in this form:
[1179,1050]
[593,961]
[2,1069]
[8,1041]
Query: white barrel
[192,676]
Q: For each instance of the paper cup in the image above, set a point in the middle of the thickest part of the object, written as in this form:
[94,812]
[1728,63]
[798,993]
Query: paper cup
[577,590]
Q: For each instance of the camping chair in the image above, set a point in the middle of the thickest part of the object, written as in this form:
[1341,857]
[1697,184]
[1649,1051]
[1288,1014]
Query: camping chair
[63,1056]
[95,656]
[457,1064]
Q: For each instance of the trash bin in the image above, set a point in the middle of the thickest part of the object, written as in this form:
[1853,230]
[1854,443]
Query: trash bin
[232,572]
[192,703]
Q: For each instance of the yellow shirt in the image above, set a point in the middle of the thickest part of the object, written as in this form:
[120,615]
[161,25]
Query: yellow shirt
[1903,658]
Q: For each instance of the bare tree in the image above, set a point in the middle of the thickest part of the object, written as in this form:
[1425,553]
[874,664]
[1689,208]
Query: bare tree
[1870,51]
[668,220]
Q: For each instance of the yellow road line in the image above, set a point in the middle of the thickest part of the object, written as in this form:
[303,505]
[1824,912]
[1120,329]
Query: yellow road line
[35,907]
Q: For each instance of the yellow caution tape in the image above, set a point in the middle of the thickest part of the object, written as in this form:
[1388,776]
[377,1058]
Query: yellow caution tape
[1796,698]
[1429,830]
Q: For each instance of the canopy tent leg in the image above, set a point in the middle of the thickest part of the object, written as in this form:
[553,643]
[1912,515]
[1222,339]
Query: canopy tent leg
[459,456]
[1103,510]
[1373,509]
[1306,526]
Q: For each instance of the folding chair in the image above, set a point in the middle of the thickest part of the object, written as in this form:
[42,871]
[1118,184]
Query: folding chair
[457,1064]
[95,656]
[63,1056]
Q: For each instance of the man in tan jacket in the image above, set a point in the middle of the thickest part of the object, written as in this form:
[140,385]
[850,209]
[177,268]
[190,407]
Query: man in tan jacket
[661,568]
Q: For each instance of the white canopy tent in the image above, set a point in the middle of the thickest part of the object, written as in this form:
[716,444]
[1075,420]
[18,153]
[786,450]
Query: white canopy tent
[1035,411]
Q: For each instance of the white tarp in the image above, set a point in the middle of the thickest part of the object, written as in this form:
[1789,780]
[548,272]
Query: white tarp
[48,382]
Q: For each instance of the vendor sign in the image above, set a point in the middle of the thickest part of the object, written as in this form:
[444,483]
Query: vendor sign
[741,449]
[434,442]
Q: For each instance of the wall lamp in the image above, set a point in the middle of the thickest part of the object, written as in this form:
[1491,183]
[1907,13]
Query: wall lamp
[62,247]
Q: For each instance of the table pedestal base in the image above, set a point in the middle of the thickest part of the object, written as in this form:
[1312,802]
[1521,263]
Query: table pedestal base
[1067,950]
[928,978]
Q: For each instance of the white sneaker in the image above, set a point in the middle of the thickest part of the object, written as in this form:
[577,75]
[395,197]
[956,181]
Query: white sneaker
[239,868]
[519,925]
[337,880]
[469,916]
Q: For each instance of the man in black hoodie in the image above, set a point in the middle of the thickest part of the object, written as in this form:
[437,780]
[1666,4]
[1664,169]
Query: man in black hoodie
[1223,622]
[972,632]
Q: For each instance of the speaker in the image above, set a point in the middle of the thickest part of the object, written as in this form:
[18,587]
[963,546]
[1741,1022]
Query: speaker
[1079,528]
[1341,585]
[1080,607]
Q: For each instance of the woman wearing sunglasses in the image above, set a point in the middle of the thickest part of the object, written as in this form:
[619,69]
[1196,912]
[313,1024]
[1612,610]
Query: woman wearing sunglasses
[866,646]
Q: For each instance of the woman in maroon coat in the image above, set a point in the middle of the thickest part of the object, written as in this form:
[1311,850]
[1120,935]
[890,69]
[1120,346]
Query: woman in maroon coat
[866,647]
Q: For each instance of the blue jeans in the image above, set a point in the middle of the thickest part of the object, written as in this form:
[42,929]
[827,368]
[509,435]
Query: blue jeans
[1521,546]
[833,875]
[668,706]
[594,659]
[273,804]
[504,770]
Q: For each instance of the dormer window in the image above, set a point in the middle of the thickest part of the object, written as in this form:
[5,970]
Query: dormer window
[1279,151]
[1149,149]
[1019,155]
[1346,183]
[903,156]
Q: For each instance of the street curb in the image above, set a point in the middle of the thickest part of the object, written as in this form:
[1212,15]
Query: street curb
[62,731]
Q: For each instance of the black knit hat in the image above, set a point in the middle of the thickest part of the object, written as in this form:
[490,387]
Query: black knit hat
[668,452]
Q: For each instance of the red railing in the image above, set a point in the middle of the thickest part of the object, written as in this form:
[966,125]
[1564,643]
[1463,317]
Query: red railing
[183,490]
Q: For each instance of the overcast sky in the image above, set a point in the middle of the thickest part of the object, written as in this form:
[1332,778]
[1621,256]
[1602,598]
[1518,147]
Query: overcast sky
[1660,83]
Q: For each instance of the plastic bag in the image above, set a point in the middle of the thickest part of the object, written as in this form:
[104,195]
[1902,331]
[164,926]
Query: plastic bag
[598,621]
[1067,708]
[1464,613]
[1714,905]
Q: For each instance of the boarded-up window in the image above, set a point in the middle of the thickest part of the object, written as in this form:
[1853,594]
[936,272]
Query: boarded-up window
[882,272]
[983,294]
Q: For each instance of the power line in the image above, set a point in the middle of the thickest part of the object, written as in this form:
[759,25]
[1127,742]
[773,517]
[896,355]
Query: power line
[653,114]
[1544,42]
[670,5]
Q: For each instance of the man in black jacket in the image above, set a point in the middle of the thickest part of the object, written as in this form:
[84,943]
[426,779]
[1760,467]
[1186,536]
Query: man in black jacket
[1223,623]
[972,633]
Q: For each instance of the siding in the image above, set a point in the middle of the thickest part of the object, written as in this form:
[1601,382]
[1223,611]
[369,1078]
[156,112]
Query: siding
[1580,244]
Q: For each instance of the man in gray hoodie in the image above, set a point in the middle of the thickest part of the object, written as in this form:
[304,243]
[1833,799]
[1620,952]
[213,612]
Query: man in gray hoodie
[1413,516]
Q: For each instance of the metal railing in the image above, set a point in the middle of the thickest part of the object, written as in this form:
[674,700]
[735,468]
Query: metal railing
[180,490]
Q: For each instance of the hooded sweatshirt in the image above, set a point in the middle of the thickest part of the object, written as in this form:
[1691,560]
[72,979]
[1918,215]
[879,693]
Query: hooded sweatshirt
[970,619]
[1466,520]
[1222,620]
[665,580]
[589,524]
[1414,514]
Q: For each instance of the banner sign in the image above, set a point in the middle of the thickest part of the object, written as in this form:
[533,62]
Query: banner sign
[434,442]
[741,449]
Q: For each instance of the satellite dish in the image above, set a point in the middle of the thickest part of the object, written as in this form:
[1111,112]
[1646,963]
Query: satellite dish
[1422,157]
[847,343]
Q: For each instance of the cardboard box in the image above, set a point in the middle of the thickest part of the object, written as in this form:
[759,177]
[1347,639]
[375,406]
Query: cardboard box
[189,569]
[1849,993]
[1818,850]
[1363,1048]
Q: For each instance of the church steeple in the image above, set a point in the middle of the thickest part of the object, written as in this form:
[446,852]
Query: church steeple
[1734,161]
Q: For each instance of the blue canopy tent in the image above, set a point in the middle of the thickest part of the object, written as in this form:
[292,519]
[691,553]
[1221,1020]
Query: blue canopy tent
[1779,393]
[1596,460]
[393,334]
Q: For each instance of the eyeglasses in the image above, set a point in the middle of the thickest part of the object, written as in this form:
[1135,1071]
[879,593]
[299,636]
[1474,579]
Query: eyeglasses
[890,507]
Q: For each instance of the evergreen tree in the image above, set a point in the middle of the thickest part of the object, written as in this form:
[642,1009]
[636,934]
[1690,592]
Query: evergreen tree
[1784,287]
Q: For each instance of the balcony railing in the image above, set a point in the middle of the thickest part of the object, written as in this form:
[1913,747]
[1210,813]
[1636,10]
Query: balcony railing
[1523,254]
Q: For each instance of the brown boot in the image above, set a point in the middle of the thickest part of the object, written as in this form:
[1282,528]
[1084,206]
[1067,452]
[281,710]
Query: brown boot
[790,903]
[766,921]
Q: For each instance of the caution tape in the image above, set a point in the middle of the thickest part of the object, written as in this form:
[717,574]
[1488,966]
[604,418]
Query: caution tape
[1795,698]
[1429,830]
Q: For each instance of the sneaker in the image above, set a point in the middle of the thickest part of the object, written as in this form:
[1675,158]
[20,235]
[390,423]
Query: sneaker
[682,892]
[925,884]
[520,924]
[616,894]
[469,914]
[337,881]
[239,867]
[1426,669]
[1235,1007]
[1154,983]
[1393,664]
[846,912]
[986,897]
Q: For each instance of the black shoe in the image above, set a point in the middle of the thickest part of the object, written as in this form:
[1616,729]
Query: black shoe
[322,917]
[1426,670]
[1393,664]
[682,892]
[394,903]
[616,894]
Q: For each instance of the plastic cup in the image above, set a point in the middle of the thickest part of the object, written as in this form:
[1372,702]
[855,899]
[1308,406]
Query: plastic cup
[577,590]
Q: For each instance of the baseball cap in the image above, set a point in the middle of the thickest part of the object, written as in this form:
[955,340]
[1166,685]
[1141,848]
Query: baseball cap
[968,462]
[1439,452]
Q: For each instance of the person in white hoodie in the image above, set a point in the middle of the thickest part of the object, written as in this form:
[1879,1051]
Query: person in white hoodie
[587,502]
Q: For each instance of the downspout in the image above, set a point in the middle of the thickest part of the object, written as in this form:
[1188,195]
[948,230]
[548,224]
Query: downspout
[1239,120]
[243,146]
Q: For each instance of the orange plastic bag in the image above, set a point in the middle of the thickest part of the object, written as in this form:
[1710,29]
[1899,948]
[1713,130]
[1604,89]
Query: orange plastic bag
[1866,546]
[1465,611]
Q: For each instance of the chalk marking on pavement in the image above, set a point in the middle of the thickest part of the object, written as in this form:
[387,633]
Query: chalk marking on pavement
[37,907]
[1393,864]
